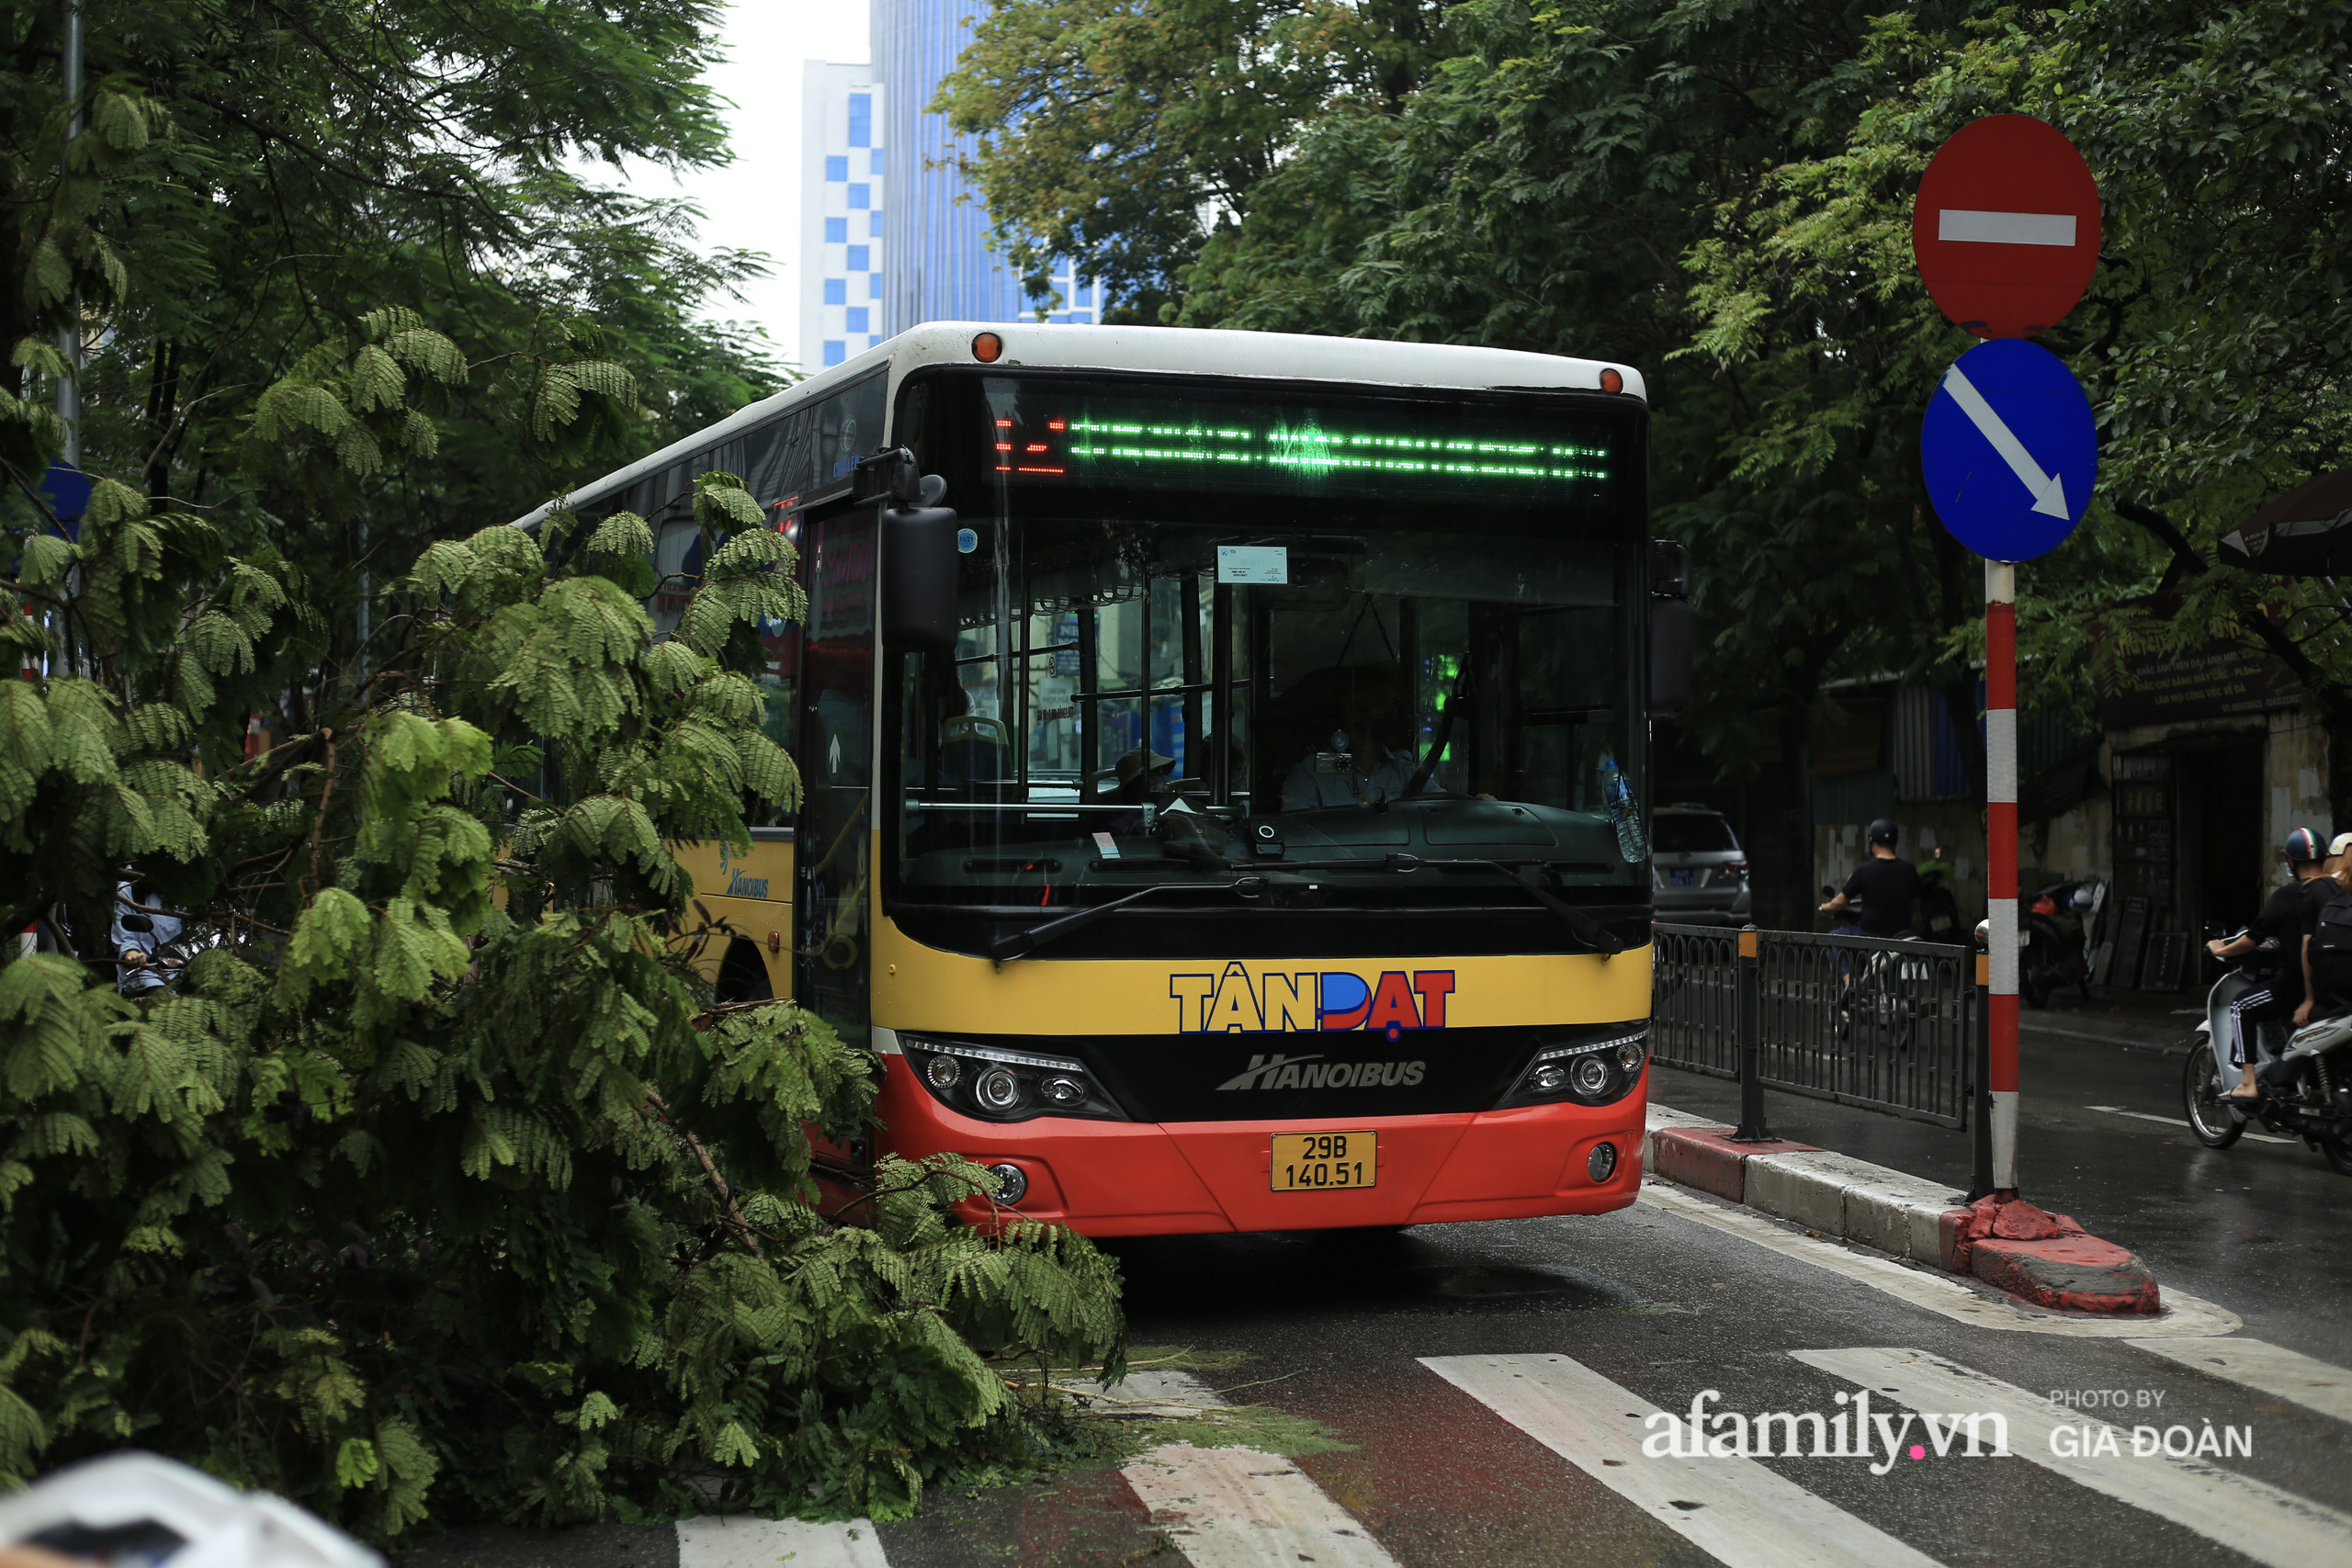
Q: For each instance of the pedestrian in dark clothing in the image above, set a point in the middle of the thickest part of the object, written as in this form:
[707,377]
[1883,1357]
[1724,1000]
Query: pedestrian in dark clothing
[1882,886]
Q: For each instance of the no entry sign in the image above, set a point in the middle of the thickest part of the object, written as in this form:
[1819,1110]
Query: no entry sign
[2005,229]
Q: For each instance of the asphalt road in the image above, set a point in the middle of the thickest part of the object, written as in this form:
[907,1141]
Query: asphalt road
[1480,1389]
[2262,1225]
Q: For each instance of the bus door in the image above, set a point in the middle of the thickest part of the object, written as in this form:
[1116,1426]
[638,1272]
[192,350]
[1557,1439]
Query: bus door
[832,946]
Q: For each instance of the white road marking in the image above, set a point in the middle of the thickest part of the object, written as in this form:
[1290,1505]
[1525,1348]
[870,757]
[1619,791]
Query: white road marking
[1149,1392]
[2178,1121]
[2272,1369]
[2266,1523]
[2035,1026]
[738,1540]
[1241,1509]
[1938,1293]
[1236,1507]
[2049,491]
[1962,224]
[1734,1509]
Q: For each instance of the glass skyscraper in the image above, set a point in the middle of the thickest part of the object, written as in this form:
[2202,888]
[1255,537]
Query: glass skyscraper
[939,268]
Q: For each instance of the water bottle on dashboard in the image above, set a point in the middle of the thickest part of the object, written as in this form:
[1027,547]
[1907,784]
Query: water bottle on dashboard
[1622,810]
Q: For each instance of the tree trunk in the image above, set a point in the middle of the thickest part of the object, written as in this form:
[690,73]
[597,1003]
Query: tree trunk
[1795,897]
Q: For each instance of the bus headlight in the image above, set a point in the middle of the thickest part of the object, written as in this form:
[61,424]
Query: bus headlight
[997,1090]
[997,1084]
[1597,1071]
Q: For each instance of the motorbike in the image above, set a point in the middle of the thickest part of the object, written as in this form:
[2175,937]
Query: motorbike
[2060,926]
[2304,1088]
[1882,996]
[1939,909]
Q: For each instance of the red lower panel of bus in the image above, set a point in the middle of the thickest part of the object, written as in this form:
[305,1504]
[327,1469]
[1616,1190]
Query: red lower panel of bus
[1141,1178]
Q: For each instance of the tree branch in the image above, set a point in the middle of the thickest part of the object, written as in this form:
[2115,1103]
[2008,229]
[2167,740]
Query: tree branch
[2332,698]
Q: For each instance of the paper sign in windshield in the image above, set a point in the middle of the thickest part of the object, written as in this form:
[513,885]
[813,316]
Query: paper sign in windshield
[1253,563]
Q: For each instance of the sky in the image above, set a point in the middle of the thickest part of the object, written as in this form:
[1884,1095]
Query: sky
[754,202]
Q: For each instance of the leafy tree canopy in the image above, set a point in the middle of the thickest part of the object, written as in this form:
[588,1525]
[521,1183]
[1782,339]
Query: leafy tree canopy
[1720,194]
[436,1184]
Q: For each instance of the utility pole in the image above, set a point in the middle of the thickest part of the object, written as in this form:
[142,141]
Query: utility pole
[69,340]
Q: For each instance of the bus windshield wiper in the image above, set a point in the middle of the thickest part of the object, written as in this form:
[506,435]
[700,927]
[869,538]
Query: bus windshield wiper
[1020,943]
[1590,931]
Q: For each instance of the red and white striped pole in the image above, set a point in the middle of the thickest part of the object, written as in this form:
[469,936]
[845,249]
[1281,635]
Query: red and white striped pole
[2001,861]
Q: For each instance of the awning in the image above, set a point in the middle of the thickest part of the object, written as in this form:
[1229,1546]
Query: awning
[2305,533]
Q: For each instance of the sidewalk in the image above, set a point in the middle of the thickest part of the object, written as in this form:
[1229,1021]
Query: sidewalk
[2043,1260]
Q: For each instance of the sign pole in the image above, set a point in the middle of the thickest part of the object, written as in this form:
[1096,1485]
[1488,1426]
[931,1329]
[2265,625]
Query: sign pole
[2001,858]
[2005,230]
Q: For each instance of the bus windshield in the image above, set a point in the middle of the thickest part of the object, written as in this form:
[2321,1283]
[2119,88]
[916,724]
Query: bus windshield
[1210,631]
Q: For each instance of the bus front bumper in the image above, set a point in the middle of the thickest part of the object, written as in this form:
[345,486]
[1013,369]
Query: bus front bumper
[1147,1178]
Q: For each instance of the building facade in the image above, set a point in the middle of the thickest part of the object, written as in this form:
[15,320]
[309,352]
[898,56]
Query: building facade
[2177,794]
[844,227]
[940,268]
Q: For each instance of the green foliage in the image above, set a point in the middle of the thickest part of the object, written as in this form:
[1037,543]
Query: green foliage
[399,1202]
[1719,193]
[436,1186]
[1109,132]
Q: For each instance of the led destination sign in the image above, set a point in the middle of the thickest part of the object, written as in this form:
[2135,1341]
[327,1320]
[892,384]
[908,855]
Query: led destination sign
[1311,450]
[1276,443]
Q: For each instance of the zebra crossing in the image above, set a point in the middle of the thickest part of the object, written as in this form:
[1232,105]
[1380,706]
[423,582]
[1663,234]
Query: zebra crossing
[1239,1507]
[2232,1510]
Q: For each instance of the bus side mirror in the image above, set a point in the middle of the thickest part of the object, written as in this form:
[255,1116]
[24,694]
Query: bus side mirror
[920,566]
[1674,628]
[919,555]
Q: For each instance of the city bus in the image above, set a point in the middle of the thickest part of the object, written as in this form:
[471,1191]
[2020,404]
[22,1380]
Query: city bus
[1262,840]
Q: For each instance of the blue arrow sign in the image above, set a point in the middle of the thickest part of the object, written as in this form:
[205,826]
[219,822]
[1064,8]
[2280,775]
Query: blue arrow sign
[2010,450]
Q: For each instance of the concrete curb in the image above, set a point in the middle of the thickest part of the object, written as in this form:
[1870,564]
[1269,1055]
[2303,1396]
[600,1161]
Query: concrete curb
[2045,1260]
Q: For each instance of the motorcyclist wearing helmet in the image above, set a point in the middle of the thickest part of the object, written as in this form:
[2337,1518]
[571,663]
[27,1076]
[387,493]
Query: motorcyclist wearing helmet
[2327,967]
[1881,890]
[2287,917]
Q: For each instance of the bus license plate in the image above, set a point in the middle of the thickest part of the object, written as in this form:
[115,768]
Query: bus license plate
[1325,1162]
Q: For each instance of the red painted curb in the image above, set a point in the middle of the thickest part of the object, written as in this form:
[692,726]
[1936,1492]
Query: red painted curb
[1707,1159]
[1952,1238]
[2079,1273]
[2047,1260]
[2044,1259]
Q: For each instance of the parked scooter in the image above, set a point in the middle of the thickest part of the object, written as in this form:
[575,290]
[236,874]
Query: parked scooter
[2305,1091]
[2060,924]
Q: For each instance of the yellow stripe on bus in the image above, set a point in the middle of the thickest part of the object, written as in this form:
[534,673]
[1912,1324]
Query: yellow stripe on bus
[922,987]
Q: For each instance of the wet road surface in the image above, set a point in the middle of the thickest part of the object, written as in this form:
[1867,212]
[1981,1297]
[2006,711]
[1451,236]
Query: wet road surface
[1484,1391]
[2262,1225]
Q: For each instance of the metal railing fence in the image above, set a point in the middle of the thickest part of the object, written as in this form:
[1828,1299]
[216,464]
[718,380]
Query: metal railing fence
[1891,1026]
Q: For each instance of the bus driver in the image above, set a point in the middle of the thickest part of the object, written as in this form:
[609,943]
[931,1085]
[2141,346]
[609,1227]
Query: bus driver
[1365,776]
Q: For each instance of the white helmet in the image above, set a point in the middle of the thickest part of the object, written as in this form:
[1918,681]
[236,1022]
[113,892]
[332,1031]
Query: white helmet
[157,1502]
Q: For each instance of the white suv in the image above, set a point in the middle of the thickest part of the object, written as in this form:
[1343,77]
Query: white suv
[1698,872]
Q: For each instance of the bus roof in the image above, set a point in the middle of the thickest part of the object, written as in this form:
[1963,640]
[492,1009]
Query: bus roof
[1287,356]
